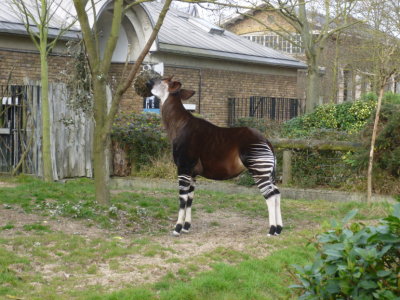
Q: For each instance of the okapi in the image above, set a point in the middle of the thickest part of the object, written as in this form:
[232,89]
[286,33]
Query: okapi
[201,148]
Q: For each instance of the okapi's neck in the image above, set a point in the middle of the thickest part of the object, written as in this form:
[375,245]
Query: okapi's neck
[174,116]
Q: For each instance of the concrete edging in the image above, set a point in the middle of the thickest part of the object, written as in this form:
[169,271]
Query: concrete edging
[231,188]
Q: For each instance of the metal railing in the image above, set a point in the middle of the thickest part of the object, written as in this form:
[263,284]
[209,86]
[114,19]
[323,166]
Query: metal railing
[272,108]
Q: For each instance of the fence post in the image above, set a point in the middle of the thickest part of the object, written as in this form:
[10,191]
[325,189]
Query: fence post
[287,167]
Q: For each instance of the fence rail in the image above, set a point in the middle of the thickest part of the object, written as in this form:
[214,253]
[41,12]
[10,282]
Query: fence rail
[272,108]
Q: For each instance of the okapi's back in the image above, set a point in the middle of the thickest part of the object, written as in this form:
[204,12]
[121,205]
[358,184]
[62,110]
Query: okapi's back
[218,151]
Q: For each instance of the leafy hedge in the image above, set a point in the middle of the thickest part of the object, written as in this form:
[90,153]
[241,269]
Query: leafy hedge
[142,134]
[355,262]
[387,146]
[348,117]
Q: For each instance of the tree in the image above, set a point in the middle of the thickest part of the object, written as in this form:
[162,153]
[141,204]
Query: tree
[37,16]
[315,21]
[383,18]
[100,64]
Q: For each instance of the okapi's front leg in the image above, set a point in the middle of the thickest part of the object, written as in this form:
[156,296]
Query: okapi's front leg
[185,184]
[188,210]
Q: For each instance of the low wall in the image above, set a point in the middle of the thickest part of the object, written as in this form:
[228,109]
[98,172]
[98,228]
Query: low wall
[231,188]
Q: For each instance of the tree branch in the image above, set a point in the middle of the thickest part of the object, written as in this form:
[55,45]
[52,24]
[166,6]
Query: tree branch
[87,33]
[113,38]
[123,86]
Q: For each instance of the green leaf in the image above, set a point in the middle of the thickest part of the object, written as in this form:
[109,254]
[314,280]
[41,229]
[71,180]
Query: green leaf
[384,250]
[333,253]
[396,211]
[383,273]
[331,269]
[295,286]
[368,284]
[349,216]
[384,238]
[333,287]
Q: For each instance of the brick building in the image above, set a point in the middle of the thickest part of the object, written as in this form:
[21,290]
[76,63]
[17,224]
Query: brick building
[217,64]
[344,77]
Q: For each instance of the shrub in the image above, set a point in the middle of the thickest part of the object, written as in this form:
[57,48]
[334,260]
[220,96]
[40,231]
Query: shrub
[387,147]
[270,128]
[348,117]
[355,262]
[159,167]
[143,136]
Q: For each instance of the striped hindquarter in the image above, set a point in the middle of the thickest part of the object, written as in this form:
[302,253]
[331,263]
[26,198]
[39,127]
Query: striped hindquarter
[261,162]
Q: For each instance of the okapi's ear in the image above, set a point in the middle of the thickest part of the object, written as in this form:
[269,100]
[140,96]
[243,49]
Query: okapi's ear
[186,94]
[174,87]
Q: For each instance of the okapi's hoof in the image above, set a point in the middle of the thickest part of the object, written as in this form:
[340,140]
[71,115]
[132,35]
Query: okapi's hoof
[177,231]
[272,230]
[186,227]
[279,229]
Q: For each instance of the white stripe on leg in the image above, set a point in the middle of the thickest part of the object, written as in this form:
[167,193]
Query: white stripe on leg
[278,210]
[271,211]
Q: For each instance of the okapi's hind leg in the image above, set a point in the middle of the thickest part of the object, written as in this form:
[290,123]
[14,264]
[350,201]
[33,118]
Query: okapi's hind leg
[186,191]
[260,160]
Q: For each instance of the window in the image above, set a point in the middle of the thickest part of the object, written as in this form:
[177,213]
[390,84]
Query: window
[277,42]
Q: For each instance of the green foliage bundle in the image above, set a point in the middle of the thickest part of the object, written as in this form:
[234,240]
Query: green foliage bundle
[355,262]
[348,117]
[142,135]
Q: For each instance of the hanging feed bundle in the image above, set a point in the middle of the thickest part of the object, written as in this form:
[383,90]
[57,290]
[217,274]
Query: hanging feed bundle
[140,82]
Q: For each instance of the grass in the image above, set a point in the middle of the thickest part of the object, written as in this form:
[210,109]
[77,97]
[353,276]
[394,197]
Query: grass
[74,262]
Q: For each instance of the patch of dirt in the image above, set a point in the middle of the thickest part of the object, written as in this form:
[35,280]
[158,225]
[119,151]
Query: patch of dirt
[18,218]
[7,184]
[210,232]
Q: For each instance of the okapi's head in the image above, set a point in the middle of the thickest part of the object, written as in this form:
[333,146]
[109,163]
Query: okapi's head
[164,88]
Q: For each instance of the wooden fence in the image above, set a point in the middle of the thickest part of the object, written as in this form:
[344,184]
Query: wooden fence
[21,142]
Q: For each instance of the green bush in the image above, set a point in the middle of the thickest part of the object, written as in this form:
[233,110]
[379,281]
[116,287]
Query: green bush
[355,262]
[392,98]
[348,117]
[270,128]
[142,134]
[387,146]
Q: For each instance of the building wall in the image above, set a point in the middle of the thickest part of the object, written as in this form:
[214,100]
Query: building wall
[247,25]
[213,86]
[21,65]
[347,62]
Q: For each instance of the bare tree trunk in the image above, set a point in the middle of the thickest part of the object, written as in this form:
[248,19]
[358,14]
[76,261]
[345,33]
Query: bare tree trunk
[45,110]
[373,139]
[101,146]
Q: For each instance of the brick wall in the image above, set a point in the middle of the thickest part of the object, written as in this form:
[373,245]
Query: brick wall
[214,87]
[249,25]
[210,98]
[27,65]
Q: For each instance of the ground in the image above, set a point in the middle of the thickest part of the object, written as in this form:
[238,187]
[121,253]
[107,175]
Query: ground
[220,229]
[46,251]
